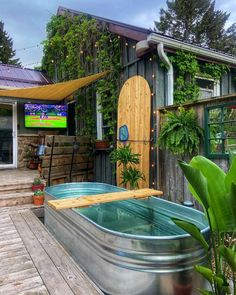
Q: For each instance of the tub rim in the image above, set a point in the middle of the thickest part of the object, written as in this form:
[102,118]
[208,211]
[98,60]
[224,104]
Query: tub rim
[124,235]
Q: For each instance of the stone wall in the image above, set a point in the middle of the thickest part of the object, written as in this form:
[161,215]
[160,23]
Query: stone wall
[24,150]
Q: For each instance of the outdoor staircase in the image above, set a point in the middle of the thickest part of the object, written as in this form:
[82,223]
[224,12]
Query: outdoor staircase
[12,194]
[16,186]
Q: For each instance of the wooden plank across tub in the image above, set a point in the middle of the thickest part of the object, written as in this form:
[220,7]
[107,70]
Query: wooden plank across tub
[86,201]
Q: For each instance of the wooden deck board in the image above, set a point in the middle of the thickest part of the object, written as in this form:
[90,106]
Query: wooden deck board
[46,268]
[33,262]
[35,291]
[72,273]
[18,276]
[21,285]
[86,201]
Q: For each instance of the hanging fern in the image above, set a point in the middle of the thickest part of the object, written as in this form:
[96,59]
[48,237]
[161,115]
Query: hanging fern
[180,133]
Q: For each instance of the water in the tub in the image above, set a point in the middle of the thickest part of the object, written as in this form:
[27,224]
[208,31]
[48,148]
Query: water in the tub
[136,217]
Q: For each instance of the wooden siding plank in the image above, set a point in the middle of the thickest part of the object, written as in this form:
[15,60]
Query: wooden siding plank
[72,273]
[58,139]
[65,150]
[85,201]
[56,285]
[66,159]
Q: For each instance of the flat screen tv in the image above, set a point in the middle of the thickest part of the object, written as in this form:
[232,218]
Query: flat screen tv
[45,115]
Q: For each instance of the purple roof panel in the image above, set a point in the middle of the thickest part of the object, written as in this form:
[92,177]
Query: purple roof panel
[14,76]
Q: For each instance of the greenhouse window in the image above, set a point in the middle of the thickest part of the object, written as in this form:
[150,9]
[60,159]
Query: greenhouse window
[220,130]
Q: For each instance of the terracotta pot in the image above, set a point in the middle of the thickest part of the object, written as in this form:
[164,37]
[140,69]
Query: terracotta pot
[32,165]
[38,200]
[36,187]
[103,144]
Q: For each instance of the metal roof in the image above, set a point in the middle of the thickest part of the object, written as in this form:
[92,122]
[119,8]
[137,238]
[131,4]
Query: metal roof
[14,76]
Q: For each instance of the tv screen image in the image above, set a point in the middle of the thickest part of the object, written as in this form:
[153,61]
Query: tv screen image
[45,115]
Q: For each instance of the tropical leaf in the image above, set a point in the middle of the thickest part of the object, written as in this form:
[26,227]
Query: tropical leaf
[220,213]
[206,272]
[199,186]
[229,256]
[231,175]
[193,230]
[204,292]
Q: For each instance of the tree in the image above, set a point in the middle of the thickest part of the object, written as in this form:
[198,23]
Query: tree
[197,22]
[6,51]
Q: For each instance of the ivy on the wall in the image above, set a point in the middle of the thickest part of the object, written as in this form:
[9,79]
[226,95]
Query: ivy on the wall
[80,46]
[187,67]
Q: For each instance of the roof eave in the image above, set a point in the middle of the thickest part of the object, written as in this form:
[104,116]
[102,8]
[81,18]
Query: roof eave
[154,38]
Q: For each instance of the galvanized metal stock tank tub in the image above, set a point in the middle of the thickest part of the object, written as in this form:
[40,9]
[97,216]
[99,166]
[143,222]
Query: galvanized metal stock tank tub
[129,247]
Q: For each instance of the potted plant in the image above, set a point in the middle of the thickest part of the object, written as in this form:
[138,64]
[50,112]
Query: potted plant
[215,190]
[180,132]
[38,197]
[101,144]
[37,184]
[130,175]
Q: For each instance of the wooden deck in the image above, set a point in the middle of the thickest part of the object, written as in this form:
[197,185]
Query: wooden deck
[33,262]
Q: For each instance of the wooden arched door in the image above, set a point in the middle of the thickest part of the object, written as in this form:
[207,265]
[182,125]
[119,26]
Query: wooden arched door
[134,111]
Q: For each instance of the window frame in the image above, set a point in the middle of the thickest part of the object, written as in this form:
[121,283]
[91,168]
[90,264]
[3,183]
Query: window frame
[216,88]
[207,124]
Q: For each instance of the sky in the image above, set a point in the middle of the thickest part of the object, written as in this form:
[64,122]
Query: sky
[25,20]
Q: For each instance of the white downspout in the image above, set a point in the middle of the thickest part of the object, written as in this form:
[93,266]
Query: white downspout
[143,46]
[170,73]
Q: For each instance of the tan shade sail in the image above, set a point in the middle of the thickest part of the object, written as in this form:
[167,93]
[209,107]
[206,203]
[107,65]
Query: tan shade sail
[57,91]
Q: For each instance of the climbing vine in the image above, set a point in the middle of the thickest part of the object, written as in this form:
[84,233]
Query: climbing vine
[187,67]
[80,46]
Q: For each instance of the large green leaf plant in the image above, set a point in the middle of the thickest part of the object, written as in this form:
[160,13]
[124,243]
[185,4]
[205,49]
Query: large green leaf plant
[215,190]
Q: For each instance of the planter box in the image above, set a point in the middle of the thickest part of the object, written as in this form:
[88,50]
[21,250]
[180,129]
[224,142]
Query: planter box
[103,144]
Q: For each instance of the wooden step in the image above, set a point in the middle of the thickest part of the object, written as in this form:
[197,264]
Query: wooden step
[15,186]
[17,198]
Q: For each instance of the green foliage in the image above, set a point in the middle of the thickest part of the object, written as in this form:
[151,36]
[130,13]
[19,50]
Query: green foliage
[39,193]
[131,176]
[6,51]
[80,46]
[37,181]
[193,230]
[186,69]
[124,156]
[215,71]
[180,133]
[197,22]
[216,192]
